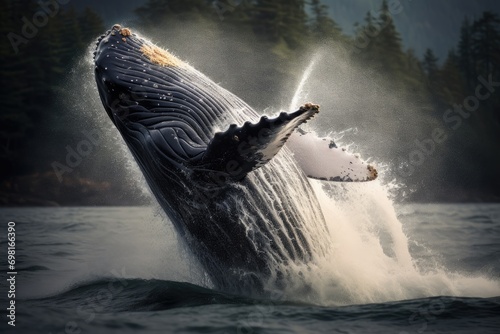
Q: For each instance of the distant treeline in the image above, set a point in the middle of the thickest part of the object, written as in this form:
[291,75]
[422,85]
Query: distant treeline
[282,31]
[39,46]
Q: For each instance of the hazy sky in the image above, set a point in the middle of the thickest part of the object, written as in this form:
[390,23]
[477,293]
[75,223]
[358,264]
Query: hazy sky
[422,23]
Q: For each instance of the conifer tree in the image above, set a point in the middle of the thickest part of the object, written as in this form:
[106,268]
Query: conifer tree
[466,60]
[414,75]
[430,65]
[281,21]
[486,43]
[450,78]
[364,41]
[388,42]
[323,27]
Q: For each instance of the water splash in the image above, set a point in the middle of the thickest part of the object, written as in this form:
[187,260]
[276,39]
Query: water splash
[301,94]
[369,259]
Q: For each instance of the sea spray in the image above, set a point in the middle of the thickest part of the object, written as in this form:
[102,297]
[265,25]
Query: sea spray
[301,94]
[368,258]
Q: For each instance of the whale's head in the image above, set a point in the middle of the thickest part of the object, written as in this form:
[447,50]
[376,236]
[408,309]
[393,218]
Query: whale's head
[131,71]
[151,96]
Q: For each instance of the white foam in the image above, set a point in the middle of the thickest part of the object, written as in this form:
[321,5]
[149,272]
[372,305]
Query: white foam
[368,259]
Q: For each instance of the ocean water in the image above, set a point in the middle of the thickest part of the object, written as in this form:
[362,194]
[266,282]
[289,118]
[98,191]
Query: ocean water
[413,268]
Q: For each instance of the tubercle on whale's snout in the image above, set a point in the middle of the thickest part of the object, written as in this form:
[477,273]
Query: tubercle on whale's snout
[117,28]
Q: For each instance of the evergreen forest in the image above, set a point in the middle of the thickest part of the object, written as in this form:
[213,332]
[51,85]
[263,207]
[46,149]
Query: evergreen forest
[265,45]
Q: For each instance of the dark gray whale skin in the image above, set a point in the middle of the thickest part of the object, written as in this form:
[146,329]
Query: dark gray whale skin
[207,181]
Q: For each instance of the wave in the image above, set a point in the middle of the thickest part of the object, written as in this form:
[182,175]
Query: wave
[113,295]
[137,295]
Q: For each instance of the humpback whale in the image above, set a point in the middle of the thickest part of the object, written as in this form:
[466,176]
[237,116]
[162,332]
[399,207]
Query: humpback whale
[239,197]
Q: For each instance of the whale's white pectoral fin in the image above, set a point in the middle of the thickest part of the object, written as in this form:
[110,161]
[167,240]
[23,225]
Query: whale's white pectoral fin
[241,149]
[321,159]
